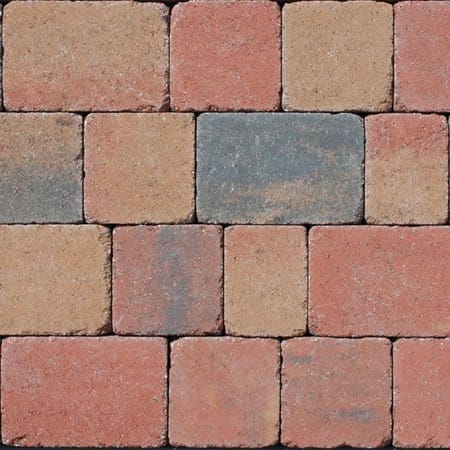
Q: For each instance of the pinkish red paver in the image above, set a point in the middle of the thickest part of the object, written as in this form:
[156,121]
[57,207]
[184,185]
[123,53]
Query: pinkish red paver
[336,392]
[225,56]
[84,392]
[224,392]
[422,393]
[379,281]
[422,55]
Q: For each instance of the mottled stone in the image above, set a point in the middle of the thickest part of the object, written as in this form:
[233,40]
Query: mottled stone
[54,279]
[422,55]
[379,281]
[86,56]
[336,392]
[84,392]
[279,168]
[225,56]
[224,392]
[139,168]
[337,56]
[265,280]
[406,169]
[422,393]
[40,168]
[167,280]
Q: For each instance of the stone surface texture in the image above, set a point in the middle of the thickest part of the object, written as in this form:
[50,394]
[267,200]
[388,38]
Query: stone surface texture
[40,168]
[54,279]
[337,56]
[336,392]
[422,393]
[167,280]
[224,392]
[406,164]
[382,281]
[85,56]
[269,168]
[265,280]
[225,55]
[422,55]
[101,392]
[139,168]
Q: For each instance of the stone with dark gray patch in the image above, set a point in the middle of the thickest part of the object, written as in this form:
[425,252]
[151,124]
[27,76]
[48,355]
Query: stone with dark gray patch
[280,168]
[167,280]
[40,168]
[336,392]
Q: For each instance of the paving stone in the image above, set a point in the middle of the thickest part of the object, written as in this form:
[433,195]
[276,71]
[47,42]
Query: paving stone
[139,168]
[422,53]
[40,168]
[84,392]
[167,280]
[337,56]
[266,280]
[225,55]
[54,279]
[379,281]
[336,392]
[224,392]
[422,393]
[85,56]
[279,168]
[406,169]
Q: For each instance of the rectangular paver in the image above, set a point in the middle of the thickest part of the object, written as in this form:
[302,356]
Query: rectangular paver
[84,392]
[379,281]
[266,280]
[85,56]
[279,168]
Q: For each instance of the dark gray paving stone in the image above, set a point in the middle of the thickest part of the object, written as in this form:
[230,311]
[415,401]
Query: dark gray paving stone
[280,168]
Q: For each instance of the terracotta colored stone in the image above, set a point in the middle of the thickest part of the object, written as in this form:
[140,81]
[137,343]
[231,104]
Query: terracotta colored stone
[139,168]
[167,280]
[265,280]
[422,53]
[379,281]
[41,168]
[422,393]
[336,392]
[225,56]
[337,56]
[84,56]
[406,169]
[101,392]
[54,279]
[224,392]
[279,168]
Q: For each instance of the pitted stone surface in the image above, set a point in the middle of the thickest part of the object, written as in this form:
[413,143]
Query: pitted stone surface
[421,393]
[225,56]
[266,280]
[84,392]
[422,55]
[336,392]
[224,392]
[279,168]
[167,280]
[54,279]
[86,56]
[406,178]
[379,281]
[337,56]
[40,168]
